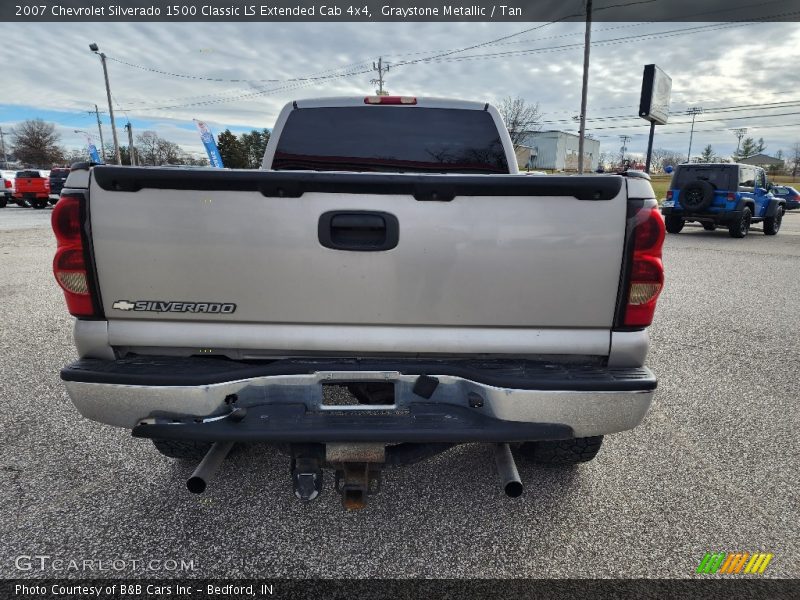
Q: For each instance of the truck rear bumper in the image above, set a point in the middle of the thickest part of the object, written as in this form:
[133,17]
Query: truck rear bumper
[434,400]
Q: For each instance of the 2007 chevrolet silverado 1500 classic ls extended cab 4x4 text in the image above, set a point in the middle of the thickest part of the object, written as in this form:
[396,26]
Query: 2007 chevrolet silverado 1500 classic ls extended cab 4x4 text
[388,245]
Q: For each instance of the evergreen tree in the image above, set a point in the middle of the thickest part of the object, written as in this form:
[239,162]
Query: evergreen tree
[231,150]
[708,155]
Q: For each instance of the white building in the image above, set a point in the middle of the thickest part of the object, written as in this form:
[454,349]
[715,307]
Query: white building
[556,150]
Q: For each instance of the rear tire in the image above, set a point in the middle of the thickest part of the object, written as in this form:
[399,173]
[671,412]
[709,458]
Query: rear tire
[673,223]
[182,449]
[560,452]
[740,227]
[39,204]
[3,202]
[773,224]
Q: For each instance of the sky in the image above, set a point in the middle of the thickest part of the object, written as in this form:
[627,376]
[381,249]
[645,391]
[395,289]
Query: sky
[745,70]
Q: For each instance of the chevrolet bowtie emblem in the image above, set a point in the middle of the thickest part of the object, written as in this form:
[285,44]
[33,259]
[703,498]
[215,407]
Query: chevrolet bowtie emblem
[123,305]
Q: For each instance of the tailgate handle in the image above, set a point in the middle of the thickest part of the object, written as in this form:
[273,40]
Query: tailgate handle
[360,231]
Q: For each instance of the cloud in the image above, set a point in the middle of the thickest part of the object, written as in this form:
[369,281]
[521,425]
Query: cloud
[729,66]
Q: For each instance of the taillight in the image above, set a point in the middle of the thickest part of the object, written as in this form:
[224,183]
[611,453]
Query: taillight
[8,183]
[69,264]
[731,197]
[647,271]
[669,194]
[390,100]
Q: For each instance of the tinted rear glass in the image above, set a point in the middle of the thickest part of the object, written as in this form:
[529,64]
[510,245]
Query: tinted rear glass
[59,172]
[23,174]
[392,139]
[721,177]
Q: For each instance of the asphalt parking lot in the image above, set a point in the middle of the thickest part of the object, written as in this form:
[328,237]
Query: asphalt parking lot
[714,467]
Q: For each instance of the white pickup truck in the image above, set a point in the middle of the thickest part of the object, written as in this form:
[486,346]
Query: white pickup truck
[388,246]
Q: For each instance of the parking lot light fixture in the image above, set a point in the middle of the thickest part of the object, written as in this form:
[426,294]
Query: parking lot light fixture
[96,49]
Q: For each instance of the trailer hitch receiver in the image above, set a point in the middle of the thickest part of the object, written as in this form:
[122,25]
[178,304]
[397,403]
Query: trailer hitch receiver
[358,471]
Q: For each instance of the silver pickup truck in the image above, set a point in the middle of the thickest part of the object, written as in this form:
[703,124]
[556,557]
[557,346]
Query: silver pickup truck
[385,287]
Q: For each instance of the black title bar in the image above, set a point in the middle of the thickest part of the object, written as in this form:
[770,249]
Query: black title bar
[32,11]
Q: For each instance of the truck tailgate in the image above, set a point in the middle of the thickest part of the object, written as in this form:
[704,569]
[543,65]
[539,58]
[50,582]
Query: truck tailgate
[472,251]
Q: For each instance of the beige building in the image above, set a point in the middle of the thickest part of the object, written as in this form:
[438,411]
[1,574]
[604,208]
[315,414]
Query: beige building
[556,150]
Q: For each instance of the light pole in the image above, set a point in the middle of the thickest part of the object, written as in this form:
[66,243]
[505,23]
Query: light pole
[694,112]
[739,133]
[585,87]
[94,48]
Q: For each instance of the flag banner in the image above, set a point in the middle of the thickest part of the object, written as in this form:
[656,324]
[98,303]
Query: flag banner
[211,146]
[93,154]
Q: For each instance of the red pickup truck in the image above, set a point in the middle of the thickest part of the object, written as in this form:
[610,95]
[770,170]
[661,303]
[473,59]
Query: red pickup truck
[32,188]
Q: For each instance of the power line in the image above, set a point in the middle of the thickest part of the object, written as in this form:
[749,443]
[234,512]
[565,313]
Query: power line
[226,80]
[447,56]
[711,130]
[610,42]
[313,79]
[726,119]
[723,109]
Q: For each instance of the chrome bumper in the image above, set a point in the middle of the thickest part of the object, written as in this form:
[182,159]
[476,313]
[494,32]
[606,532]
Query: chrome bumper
[587,413]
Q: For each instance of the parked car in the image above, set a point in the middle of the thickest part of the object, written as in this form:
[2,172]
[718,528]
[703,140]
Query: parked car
[789,194]
[58,176]
[31,188]
[389,245]
[727,194]
[6,193]
[10,177]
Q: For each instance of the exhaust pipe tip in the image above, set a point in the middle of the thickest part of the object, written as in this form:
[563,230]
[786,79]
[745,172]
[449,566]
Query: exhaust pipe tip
[196,485]
[208,467]
[507,470]
[514,489]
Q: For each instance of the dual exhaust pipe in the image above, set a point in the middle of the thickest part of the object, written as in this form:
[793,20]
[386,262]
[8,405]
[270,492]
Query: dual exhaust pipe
[507,470]
[208,467]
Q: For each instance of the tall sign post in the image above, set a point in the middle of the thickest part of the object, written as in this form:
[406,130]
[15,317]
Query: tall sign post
[654,103]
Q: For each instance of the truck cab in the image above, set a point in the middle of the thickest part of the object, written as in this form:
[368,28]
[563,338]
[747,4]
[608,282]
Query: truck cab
[732,195]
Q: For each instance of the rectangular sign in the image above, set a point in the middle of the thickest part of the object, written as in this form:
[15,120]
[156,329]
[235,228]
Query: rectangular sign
[656,90]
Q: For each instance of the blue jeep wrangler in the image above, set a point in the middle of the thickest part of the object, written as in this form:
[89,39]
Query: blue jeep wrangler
[714,194]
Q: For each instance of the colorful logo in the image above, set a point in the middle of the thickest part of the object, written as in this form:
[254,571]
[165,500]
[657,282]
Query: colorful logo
[734,563]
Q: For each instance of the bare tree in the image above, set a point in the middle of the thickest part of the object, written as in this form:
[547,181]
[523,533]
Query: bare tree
[607,160]
[663,158]
[35,143]
[155,150]
[794,158]
[521,118]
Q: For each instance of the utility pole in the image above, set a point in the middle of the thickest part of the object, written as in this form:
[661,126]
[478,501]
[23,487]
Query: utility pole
[94,48]
[585,90]
[131,149]
[3,144]
[100,129]
[694,111]
[739,133]
[381,70]
[624,139]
